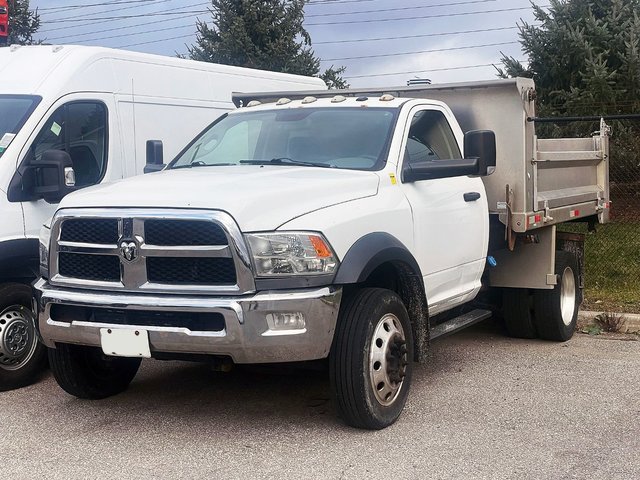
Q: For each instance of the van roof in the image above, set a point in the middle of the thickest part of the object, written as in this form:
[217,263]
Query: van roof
[32,70]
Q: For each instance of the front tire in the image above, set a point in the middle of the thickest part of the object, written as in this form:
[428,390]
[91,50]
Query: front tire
[86,372]
[22,357]
[557,309]
[371,358]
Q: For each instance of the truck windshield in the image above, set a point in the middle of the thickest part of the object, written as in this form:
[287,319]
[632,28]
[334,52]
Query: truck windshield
[14,111]
[350,138]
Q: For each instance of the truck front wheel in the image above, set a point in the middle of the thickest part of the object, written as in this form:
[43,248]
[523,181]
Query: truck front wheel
[22,357]
[86,372]
[371,358]
[557,309]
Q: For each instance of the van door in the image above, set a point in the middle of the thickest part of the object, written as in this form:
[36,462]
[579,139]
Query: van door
[450,229]
[80,127]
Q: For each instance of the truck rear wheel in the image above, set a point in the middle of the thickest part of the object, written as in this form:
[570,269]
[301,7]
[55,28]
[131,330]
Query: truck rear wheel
[557,309]
[517,309]
[371,358]
[86,372]
[22,357]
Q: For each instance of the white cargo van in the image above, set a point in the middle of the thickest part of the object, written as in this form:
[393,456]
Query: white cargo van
[99,106]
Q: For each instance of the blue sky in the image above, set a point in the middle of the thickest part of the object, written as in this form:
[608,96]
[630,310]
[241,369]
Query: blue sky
[379,41]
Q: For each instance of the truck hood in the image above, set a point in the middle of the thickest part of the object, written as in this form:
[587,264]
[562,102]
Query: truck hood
[258,197]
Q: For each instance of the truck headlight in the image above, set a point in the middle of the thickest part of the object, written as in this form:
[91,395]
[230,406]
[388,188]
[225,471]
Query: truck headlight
[291,253]
[45,240]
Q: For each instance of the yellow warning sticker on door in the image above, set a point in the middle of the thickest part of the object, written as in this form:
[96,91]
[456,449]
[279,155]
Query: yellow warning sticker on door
[392,176]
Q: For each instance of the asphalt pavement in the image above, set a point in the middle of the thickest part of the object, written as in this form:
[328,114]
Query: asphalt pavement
[485,406]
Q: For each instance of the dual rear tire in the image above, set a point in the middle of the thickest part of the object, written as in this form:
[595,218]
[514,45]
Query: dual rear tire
[546,314]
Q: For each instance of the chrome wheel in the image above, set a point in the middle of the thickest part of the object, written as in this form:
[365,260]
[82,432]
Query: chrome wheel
[388,359]
[17,337]
[567,296]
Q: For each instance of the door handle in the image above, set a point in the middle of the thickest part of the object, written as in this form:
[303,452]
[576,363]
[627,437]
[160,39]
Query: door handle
[471,196]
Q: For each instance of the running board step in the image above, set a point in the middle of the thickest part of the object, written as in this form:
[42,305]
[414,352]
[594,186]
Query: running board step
[458,323]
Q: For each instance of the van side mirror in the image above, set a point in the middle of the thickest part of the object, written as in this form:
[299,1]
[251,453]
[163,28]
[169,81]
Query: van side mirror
[155,156]
[51,178]
[481,144]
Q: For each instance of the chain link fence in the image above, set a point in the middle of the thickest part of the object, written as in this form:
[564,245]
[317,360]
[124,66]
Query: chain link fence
[612,253]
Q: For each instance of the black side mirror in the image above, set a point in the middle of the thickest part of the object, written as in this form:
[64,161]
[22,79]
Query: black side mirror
[430,169]
[155,156]
[52,178]
[481,144]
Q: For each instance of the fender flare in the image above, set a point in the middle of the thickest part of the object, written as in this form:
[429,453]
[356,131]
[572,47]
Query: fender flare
[19,259]
[371,251]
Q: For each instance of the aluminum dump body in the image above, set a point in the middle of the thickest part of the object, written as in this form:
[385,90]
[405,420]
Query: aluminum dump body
[537,182]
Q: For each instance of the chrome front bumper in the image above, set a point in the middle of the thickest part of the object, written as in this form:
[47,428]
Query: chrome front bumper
[246,337]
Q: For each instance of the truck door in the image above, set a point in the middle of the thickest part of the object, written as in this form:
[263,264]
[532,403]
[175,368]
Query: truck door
[450,228]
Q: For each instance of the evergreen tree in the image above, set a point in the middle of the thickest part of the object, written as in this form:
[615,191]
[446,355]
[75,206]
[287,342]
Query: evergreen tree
[23,23]
[584,56]
[262,34]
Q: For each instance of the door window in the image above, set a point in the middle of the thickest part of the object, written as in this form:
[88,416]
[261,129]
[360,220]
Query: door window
[431,138]
[80,129]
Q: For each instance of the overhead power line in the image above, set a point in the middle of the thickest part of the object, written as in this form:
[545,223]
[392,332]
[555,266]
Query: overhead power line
[403,37]
[382,10]
[363,57]
[115,29]
[155,30]
[154,41]
[389,74]
[101,4]
[122,17]
[87,16]
[96,21]
[441,15]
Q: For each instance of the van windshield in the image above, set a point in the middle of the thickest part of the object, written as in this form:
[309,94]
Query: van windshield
[337,137]
[14,112]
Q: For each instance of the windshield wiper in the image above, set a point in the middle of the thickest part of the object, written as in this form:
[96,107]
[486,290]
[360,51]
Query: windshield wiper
[286,161]
[202,164]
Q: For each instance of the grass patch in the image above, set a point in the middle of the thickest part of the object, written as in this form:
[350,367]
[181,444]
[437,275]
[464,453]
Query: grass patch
[612,266]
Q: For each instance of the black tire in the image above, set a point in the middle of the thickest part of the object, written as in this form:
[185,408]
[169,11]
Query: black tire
[86,372]
[22,357]
[353,358]
[552,321]
[517,309]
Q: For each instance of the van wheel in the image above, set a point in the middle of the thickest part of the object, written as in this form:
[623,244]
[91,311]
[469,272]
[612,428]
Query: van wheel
[517,309]
[86,372]
[371,358]
[22,357]
[557,309]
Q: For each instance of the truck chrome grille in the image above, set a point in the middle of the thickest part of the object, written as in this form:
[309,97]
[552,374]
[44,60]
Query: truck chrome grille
[194,271]
[102,231]
[105,268]
[150,250]
[183,232]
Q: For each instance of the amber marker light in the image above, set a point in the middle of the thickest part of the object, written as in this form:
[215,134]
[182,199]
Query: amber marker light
[322,249]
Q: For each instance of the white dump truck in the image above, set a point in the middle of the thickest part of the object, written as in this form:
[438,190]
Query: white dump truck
[354,226]
[98,105]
